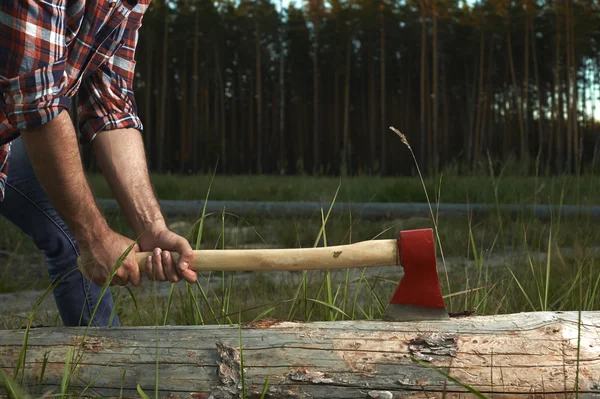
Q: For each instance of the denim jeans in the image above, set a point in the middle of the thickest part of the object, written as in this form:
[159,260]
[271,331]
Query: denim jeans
[26,205]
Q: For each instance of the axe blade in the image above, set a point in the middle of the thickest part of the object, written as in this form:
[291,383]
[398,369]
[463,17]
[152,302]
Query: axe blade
[418,295]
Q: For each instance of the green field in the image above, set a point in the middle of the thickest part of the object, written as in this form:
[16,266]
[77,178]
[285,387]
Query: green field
[490,264]
[452,188]
[505,258]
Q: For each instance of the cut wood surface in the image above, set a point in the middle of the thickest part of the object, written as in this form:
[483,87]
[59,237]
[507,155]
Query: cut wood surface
[515,355]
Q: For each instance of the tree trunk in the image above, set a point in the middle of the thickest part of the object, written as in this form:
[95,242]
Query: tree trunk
[316,135]
[163,99]
[320,360]
[183,136]
[568,87]
[538,89]
[435,123]
[446,114]
[372,106]
[383,127]
[423,77]
[259,101]
[479,107]
[526,106]
[346,143]
[196,93]
[148,98]
[518,101]
[282,162]
[556,105]
[221,120]
[575,91]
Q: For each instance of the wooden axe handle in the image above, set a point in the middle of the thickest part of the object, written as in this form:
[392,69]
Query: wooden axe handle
[361,254]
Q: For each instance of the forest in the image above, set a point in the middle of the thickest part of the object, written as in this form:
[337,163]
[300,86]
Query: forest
[314,89]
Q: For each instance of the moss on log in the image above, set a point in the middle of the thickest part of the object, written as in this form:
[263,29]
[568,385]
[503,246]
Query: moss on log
[541,354]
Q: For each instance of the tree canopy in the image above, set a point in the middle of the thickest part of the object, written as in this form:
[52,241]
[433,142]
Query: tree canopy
[508,78]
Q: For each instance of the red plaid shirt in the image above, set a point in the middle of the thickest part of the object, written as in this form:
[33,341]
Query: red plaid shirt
[52,49]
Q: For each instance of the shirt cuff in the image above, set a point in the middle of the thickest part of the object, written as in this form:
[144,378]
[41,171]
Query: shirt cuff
[118,120]
[29,106]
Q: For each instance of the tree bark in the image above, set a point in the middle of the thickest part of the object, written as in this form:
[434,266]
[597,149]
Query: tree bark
[479,107]
[518,101]
[282,161]
[538,88]
[196,92]
[259,101]
[526,106]
[435,105]
[383,127]
[372,106]
[329,360]
[316,135]
[163,98]
[346,140]
[221,120]
[423,77]
[148,98]
[568,87]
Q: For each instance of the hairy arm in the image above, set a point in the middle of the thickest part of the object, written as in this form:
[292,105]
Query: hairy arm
[54,155]
[120,154]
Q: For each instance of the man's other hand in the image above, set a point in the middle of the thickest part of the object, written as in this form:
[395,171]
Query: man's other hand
[98,258]
[161,265]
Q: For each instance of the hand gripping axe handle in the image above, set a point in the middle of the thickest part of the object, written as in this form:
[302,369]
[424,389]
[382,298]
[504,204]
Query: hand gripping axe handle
[418,296]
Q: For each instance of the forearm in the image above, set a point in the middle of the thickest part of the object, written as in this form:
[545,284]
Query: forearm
[120,154]
[54,155]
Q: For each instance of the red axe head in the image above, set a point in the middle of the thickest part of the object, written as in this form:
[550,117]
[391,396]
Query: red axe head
[418,296]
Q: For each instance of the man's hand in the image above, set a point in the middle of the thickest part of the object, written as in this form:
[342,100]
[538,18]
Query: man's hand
[120,154]
[98,259]
[161,265]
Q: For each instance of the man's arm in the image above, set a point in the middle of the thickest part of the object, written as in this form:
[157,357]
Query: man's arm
[54,155]
[120,154]
[108,118]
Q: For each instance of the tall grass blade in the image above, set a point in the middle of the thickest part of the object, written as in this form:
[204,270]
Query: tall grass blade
[169,302]
[201,227]
[43,371]
[66,377]
[141,392]
[329,306]
[265,387]
[522,290]
[12,387]
[548,261]
[135,304]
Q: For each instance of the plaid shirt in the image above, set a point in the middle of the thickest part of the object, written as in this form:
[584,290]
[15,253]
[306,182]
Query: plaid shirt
[52,49]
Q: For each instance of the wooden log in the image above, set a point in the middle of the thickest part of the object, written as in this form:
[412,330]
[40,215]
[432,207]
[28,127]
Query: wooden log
[515,355]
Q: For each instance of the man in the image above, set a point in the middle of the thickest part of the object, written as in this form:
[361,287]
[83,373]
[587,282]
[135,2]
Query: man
[50,50]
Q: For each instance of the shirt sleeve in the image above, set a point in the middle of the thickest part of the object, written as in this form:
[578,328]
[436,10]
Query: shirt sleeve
[106,100]
[33,78]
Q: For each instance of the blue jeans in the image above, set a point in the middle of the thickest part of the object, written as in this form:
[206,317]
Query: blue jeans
[26,205]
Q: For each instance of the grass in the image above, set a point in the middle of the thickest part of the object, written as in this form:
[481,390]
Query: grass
[512,187]
[491,265]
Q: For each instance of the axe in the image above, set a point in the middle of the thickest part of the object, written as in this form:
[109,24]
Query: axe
[417,297]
